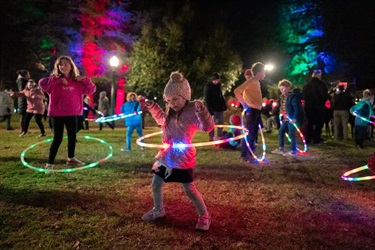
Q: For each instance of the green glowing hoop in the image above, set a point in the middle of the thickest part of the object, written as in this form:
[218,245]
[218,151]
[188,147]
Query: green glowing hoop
[66,170]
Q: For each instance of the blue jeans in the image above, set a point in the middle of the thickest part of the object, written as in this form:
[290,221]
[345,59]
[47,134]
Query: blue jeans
[286,127]
[252,122]
[129,133]
[219,120]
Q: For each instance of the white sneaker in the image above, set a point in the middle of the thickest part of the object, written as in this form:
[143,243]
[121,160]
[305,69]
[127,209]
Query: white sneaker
[49,166]
[203,223]
[290,153]
[153,214]
[279,151]
[74,161]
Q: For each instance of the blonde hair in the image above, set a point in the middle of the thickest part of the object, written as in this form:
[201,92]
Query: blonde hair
[131,96]
[74,72]
[285,83]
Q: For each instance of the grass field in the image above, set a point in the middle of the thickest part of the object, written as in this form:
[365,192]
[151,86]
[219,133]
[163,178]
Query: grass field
[285,203]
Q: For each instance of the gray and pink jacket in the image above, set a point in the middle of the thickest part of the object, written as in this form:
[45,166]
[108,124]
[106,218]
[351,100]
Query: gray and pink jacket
[180,130]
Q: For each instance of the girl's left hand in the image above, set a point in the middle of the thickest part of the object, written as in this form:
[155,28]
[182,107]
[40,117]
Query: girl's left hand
[81,78]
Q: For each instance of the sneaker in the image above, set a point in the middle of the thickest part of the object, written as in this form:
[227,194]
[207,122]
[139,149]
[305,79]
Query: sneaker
[74,161]
[10,128]
[125,150]
[290,153]
[41,135]
[153,214]
[49,166]
[279,151]
[22,134]
[203,223]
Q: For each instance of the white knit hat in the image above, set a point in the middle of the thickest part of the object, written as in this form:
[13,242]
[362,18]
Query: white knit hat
[177,85]
[367,95]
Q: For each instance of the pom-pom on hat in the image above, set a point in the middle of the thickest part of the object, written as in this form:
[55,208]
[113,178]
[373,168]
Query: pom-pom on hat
[177,85]
[235,120]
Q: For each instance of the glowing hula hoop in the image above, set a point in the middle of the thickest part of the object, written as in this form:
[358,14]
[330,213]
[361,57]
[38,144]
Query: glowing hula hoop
[92,120]
[299,132]
[362,118]
[356,170]
[181,146]
[66,170]
[116,117]
[247,143]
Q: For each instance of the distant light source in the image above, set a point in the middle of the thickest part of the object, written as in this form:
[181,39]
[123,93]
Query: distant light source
[268,67]
[114,61]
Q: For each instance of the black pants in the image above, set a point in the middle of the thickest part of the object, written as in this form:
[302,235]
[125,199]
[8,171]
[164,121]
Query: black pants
[315,122]
[38,120]
[7,118]
[58,123]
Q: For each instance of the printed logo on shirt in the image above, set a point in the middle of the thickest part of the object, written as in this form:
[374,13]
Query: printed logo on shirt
[69,88]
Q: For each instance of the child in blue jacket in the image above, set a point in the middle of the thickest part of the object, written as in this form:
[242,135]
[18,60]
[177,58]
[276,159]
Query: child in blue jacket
[133,119]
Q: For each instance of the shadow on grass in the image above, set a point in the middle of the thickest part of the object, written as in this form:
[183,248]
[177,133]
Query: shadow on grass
[54,199]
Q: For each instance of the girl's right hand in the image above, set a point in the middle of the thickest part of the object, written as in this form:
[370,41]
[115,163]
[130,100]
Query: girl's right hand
[64,81]
[149,103]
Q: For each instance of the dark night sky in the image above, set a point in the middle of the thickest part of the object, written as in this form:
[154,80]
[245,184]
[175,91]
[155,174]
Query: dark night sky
[349,31]
[349,27]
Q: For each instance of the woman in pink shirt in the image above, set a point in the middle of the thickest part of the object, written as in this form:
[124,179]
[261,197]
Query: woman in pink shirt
[66,89]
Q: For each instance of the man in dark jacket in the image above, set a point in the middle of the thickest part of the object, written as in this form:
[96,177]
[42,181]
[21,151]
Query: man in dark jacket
[315,94]
[342,102]
[216,104]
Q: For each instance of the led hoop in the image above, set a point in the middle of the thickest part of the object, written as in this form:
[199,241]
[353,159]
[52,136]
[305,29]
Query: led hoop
[92,120]
[356,170]
[188,145]
[299,132]
[66,170]
[247,143]
[115,117]
[362,118]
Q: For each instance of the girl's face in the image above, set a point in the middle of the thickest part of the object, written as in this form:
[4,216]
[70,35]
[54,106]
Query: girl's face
[65,67]
[31,84]
[175,102]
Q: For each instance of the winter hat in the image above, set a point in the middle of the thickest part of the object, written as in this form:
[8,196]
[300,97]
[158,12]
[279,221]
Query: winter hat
[22,72]
[235,120]
[177,85]
[247,73]
[367,94]
[215,76]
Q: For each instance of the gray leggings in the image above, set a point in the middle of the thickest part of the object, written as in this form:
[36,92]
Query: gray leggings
[189,188]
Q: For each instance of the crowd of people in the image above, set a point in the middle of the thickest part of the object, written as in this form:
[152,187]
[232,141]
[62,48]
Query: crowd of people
[68,96]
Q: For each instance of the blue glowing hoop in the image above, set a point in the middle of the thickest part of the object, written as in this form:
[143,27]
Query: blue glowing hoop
[115,117]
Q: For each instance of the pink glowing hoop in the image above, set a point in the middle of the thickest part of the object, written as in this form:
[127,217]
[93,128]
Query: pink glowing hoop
[140,142]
